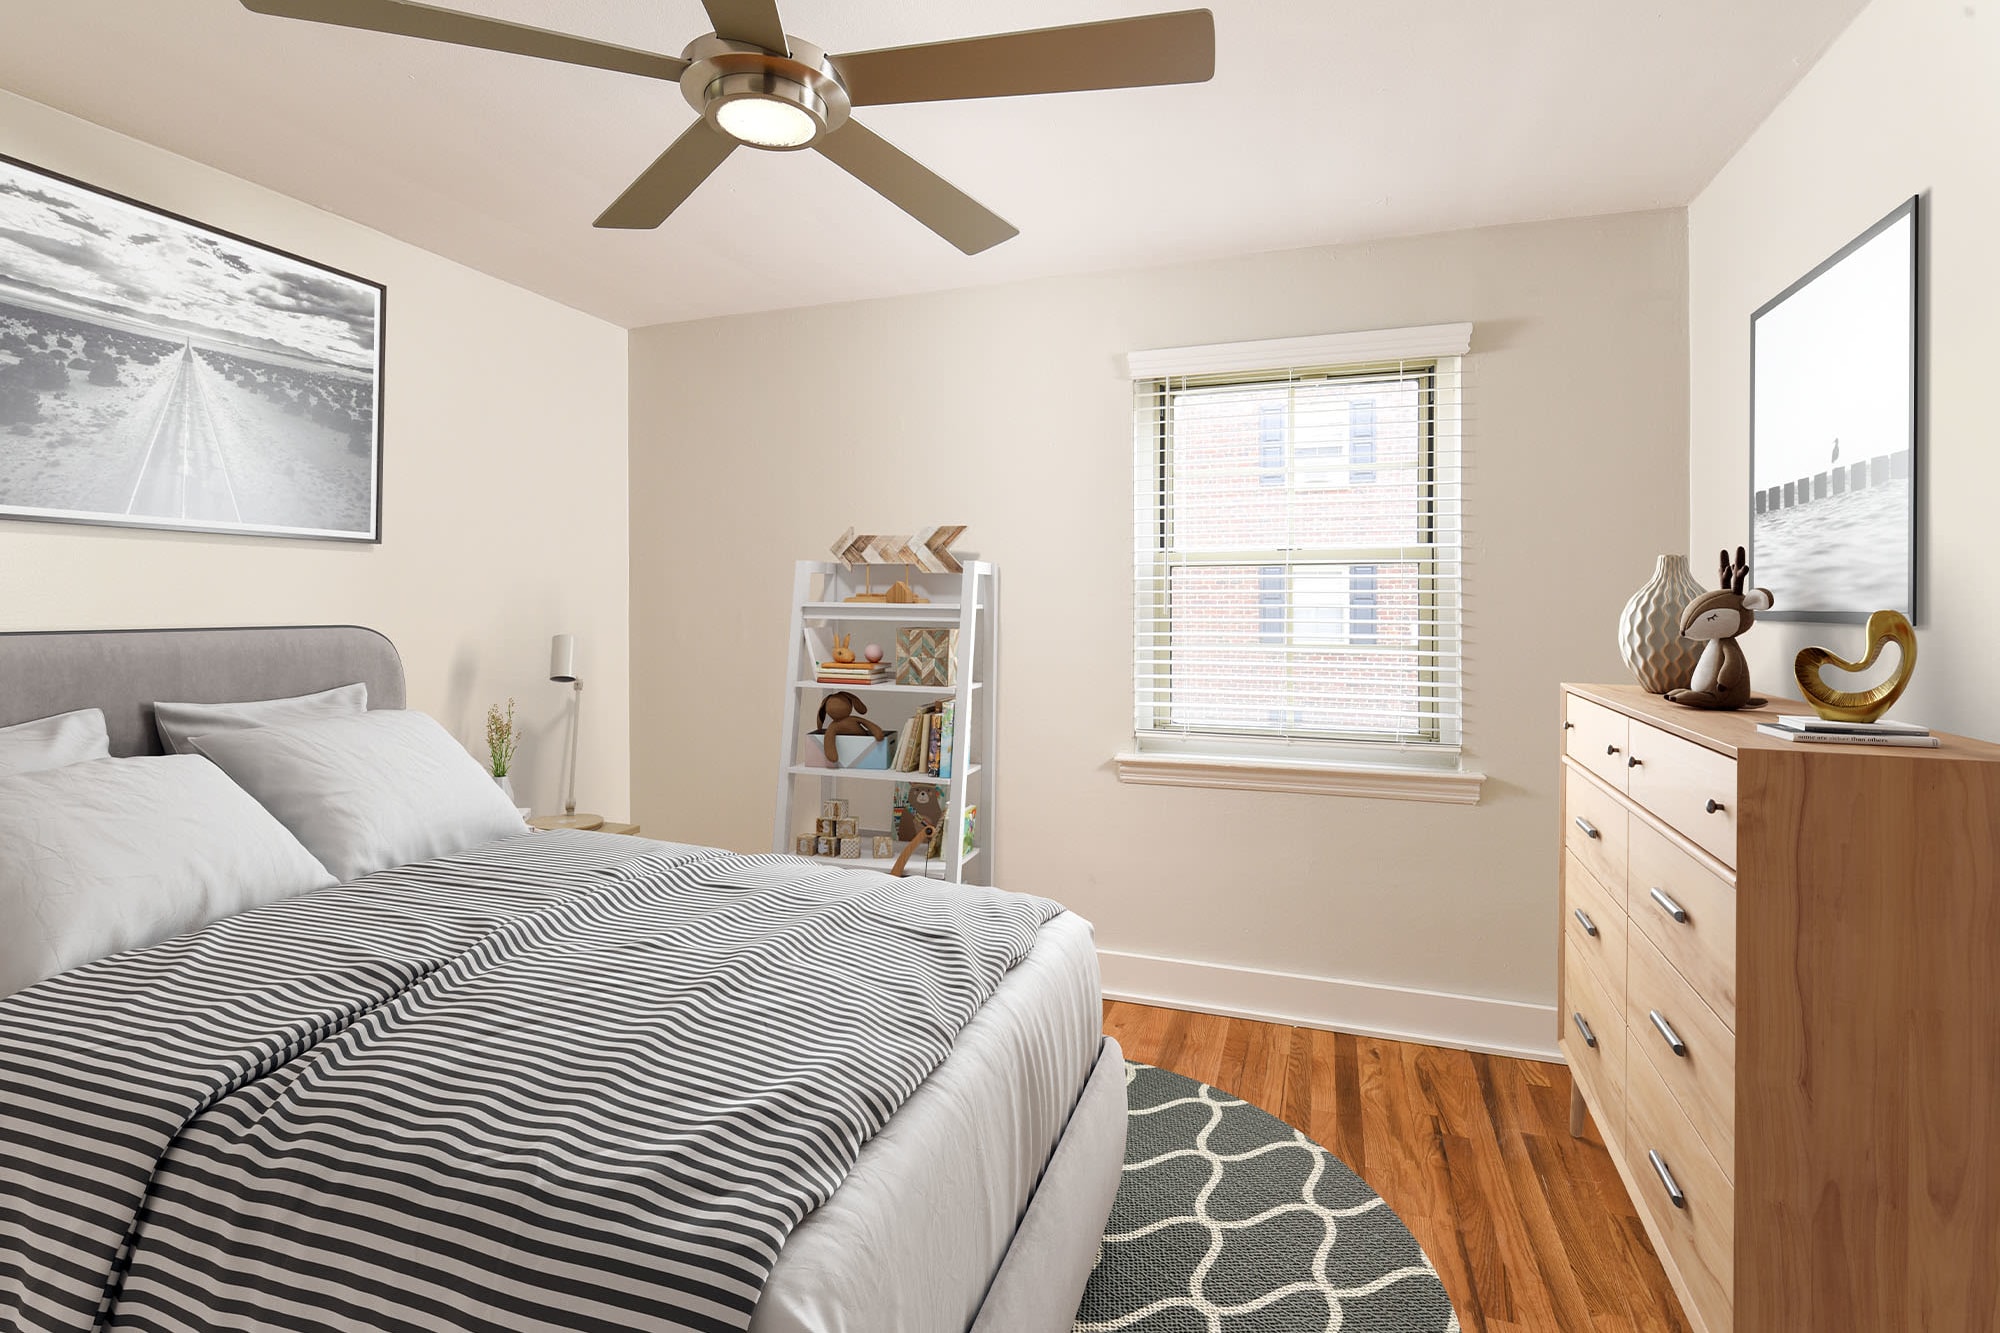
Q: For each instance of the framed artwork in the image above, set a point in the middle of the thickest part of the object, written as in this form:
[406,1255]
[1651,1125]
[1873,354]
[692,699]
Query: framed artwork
[1834,364]
[158,373]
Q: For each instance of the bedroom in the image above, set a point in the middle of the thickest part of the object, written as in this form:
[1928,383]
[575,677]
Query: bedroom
[632,438]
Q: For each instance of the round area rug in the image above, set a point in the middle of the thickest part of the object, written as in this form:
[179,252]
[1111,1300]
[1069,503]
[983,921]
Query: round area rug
[1228,1220]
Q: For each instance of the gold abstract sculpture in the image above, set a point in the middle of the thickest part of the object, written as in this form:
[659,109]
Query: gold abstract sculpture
[1859,705]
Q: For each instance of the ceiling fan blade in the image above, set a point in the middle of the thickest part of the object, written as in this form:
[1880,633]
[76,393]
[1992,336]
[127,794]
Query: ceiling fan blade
[752,21]
[408,19]
[1118,53]
[916,189]
[674,175]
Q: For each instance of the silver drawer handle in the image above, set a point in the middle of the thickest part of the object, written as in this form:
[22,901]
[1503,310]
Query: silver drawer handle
[1589,831]
[1667,1034]
[1714,807]
[1674,1195]
[1589,926]
[1669,906]
[1589,1037]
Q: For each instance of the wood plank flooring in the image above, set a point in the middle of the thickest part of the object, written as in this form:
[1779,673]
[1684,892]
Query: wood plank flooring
[1529,1228]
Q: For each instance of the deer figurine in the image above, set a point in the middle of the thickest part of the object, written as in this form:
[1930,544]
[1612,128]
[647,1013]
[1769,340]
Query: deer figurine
[1722,676]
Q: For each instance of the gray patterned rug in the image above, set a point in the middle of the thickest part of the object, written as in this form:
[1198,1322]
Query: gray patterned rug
[1230,1221]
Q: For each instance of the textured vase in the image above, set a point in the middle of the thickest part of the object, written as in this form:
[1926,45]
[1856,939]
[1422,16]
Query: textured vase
[1649,629]
[506,785]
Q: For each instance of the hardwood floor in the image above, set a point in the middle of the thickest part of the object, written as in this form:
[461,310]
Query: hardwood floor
[1530,1229]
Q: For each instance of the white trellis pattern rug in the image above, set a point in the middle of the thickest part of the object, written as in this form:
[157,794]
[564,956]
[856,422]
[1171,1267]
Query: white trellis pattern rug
[1228,1220]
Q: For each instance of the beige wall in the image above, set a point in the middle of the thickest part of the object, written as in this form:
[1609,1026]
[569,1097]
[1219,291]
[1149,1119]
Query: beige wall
[1906,102]
[504,489]
[755,440]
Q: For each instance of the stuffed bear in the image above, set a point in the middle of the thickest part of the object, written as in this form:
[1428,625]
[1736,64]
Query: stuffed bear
[842,714]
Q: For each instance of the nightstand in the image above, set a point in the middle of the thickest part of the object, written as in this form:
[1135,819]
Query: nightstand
[547,822]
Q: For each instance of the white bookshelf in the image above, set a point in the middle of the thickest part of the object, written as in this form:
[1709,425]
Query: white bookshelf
[967,602]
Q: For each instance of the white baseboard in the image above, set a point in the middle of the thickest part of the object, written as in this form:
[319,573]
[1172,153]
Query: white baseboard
[1436,1018]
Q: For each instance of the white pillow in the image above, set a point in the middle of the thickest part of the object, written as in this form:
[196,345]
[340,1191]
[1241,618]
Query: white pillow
[52,742]
[121,853]
[179,724]
[368,792]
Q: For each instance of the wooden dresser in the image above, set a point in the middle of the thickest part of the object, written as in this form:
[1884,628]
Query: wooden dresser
[1780,999]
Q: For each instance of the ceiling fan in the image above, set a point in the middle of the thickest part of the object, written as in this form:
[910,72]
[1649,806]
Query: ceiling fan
[757,86]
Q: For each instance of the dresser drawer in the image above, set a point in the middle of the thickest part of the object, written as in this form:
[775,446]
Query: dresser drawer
[1687,912]
[1593,926]
[1596,737]
[1699,1231]
[1660,1009]
[1594,832]
[1687,786]
[1593,1042]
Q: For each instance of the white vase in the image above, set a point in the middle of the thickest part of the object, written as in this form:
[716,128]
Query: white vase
[1649,629]
[505,783]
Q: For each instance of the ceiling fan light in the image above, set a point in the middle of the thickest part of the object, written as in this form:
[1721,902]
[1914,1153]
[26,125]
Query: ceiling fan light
[766,122]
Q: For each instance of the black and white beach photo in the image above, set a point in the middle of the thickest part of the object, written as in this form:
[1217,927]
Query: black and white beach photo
[1833,449]
[157,373]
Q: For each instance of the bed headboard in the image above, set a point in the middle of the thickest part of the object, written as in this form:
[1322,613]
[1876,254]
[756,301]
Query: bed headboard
[125,671]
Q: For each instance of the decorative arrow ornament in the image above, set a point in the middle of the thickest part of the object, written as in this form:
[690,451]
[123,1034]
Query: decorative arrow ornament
[928,549]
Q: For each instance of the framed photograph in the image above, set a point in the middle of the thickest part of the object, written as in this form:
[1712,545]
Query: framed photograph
[1834,364]
[158,373]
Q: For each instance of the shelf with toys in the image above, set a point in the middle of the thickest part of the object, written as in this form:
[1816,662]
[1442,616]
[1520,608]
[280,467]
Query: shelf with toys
[890,713]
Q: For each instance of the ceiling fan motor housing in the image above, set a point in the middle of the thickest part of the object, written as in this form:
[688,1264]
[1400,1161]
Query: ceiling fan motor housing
[720,72]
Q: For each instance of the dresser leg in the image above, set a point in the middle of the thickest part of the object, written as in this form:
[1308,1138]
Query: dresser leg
[1575,1109]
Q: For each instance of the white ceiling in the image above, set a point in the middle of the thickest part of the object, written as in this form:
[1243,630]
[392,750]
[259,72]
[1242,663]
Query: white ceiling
[1326,122]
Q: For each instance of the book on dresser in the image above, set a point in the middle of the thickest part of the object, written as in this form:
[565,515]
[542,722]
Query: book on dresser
[1774,997]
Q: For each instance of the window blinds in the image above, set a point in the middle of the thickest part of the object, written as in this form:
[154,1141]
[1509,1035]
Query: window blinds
[1297,547]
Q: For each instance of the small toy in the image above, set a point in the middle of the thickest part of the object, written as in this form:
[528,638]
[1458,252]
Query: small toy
[805,845]
[927,813]
[873,652]
[828,846]
[833,808]
[843,714]
[848,827]
[843,652]
[882,846]
[850,848]
[827,828]
[1722,676]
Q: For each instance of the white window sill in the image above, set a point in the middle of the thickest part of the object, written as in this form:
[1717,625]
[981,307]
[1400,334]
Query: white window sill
[1382,781]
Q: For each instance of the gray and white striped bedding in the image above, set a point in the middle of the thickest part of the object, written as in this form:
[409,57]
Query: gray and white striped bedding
[565,1082]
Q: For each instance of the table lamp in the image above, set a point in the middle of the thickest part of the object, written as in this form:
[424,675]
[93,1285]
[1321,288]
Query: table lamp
[562,670]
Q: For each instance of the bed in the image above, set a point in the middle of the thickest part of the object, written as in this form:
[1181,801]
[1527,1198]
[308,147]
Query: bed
[974,1199]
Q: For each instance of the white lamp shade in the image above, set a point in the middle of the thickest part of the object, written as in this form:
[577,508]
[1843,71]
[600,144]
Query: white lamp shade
[562,657]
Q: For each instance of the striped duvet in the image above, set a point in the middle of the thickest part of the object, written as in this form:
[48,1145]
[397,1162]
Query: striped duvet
[566,1082]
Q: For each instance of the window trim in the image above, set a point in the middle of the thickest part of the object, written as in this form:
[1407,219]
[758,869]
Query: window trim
[1427,770]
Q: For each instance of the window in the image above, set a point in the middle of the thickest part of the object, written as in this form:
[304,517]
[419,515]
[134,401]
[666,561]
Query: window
[1297,557]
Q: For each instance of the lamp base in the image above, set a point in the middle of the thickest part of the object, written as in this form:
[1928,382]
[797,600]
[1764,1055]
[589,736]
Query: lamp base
[575,821]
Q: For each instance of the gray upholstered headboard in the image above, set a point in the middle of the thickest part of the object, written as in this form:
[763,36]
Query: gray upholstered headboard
[126,671]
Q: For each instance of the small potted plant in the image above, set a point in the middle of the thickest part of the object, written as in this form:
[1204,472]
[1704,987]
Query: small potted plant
[503,738]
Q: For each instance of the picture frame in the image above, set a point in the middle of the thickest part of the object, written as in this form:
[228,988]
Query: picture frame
[159,372]
[1836,389]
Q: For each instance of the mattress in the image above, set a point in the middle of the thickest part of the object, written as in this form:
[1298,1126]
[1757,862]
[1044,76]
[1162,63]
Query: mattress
[911,1240]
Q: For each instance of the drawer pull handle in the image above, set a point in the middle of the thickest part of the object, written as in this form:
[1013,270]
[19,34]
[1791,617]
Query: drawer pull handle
[1669,906]
[1589,1037]
[1589,830]
[1714,807]
[1611,749]
[1569,726]
[1667,1034]
[1589,926]
[1674,1195]
[1633,761]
